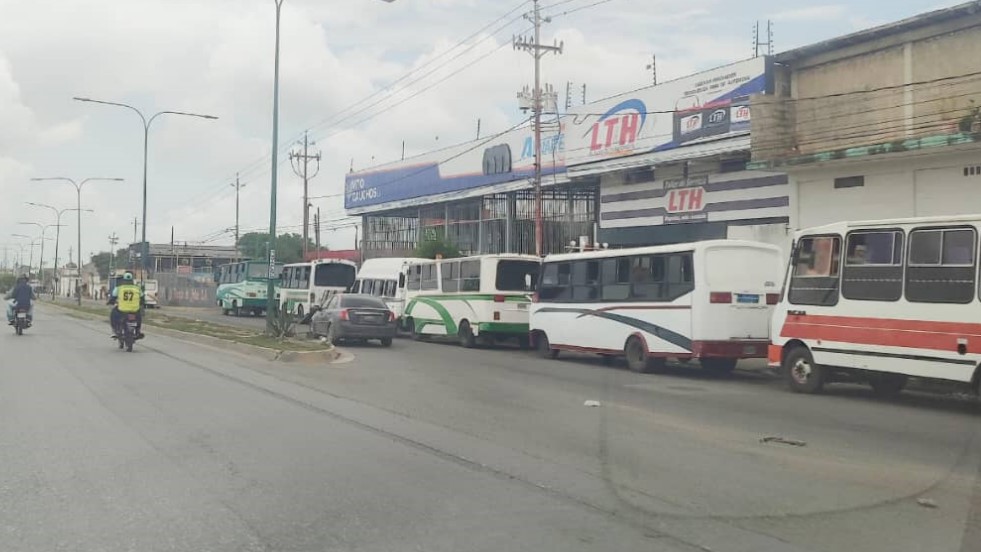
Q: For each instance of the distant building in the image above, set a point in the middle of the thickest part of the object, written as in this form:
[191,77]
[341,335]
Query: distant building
[882,123]
[184,259]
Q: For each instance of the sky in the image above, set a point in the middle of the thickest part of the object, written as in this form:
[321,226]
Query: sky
[422,72]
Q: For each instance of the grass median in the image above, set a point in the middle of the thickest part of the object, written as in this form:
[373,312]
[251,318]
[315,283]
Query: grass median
[210,329]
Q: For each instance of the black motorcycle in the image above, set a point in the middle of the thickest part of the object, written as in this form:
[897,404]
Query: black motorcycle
[126,331]
[22,320]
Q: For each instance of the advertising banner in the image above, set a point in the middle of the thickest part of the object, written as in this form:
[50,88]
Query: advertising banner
[705,106]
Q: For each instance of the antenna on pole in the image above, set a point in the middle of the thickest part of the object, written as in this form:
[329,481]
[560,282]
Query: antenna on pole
[757,39]
[652,67]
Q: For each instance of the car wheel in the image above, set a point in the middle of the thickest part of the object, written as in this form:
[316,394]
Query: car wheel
[803,375]
[638,360]
[545,349]
[465,335]
[386,341]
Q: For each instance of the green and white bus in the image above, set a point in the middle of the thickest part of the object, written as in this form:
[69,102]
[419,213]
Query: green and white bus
[242,287]
[481,298]
[305,285]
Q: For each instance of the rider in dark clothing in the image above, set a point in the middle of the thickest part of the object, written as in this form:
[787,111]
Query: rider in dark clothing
[22,295]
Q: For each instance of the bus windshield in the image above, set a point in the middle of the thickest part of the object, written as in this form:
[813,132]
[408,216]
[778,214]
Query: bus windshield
[259,271]
[517,275]
[334,275]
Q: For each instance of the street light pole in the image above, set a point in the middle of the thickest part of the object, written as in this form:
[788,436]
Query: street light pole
[58,213]
[272,305]
[78,189]
[43,229]
[144,246]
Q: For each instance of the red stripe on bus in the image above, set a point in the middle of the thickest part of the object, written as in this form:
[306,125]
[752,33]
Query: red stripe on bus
[886,332]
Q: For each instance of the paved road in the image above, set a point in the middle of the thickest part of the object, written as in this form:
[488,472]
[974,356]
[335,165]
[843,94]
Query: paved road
[431,447]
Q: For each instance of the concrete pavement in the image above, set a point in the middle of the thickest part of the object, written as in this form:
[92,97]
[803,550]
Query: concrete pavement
[432,447]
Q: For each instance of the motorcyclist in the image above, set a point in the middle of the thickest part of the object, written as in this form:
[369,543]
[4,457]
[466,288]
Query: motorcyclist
[21,296]
[128,298]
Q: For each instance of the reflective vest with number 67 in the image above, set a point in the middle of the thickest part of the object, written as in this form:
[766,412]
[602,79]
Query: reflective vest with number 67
[128,298]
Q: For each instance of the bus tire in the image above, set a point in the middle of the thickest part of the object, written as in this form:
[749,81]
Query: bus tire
[413,332]
[887,385]
[637,358]
[719,365]
[803,375]
[224,311]
[545,349]
[465,335]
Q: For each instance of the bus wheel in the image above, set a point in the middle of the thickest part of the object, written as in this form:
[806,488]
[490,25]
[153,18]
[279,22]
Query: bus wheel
[465,334]
[225,311]
[719,365]
[413,331]
[638,360]
[545,349]
[803,375]
[887,385]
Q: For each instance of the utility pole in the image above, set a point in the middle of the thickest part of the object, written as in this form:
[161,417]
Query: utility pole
[113,240]
[535,47]
[316,229]
[303,171]
[238,188]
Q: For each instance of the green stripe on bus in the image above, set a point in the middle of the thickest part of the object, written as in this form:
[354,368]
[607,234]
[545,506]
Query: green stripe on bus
[440,310]
[477,297]
[503,328]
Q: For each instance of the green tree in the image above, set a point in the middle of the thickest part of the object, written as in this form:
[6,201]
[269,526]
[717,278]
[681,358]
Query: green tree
[432,246]
[101,261]
[289,247]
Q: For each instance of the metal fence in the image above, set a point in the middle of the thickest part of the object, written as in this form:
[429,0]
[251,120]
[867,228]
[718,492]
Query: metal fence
[498,223]
[185,290]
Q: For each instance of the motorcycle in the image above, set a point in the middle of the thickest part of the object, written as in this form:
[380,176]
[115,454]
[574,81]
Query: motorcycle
[21,321]
[126,333]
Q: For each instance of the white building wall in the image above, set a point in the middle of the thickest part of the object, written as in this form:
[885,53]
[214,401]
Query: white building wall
[909,185]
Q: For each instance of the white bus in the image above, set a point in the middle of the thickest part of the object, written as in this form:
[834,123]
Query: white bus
[708,300]
[303,285]
[880,301]
[385,278]
[474,298]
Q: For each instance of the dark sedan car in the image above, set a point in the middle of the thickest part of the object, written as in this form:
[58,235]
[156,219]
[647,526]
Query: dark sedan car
[355,317]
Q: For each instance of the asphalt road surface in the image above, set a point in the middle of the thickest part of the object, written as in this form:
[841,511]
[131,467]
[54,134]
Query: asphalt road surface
[432,447]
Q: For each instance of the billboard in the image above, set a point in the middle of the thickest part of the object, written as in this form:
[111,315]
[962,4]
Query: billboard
[503,158]
[705,106]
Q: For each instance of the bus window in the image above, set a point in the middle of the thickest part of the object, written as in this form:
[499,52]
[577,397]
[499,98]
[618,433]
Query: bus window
[941,267]
[515,275]
[470,276]
[334,275]
[415,277]
[451,277]
[390,287]
[873,268]
[401,281]
[303,277]
[429,280]
[616,279]
[356,288]
[585,281]
[815,279]
[553,288]
[379,289]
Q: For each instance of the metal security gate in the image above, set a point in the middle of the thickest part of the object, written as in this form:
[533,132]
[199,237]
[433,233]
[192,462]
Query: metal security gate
[498,223]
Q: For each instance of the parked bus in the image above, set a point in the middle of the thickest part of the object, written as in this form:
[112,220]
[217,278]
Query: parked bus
[708,300]
[385,278]
[243,287]
[474,298]
[879,302]
[305,285]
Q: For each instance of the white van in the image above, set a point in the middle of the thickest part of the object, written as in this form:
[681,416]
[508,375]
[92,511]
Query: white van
[708,300]
[385,278]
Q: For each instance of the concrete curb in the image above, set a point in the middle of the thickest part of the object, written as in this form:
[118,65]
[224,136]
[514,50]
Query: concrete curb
[271,355]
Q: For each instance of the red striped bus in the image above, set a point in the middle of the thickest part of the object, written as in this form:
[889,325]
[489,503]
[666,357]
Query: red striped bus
[879,302]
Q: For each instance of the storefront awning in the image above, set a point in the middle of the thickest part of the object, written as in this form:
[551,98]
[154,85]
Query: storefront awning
[652,159]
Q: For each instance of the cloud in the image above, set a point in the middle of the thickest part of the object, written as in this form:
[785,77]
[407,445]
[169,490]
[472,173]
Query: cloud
[823,12]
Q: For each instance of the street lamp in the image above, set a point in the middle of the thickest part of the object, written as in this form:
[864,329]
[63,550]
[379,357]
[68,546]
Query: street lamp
[271,304]
[43,229]
[78,190]
[58,213]
[144,246]
[33,242]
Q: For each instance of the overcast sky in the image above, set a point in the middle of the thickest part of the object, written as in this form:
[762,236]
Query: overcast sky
[216,57]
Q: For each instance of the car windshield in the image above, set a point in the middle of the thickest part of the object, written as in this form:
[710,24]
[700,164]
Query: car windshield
[546,275]
[362,301]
